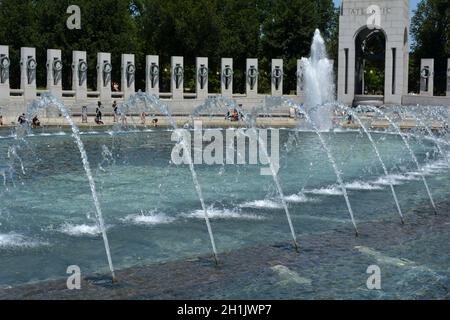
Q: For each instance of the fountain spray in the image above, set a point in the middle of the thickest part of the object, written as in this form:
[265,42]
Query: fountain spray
[156,104]
[48,100]
[377,152]
[413,156]
[226,104]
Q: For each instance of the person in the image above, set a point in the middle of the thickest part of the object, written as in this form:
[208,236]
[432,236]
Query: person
[98,111]
[143,115]
[98,121]
[98,114]
[115,110]
[1,121]
[241,115]
[84,114]
[155,122]
[349,119]
[35,122]
[115,86]
[235,115]
[228,115]
[22,119]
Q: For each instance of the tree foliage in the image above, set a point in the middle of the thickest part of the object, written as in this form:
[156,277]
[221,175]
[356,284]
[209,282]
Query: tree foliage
[430,28]
[238,29]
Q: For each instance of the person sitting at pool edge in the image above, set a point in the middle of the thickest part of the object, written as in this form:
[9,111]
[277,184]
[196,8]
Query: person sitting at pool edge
[35,122]
[22,119]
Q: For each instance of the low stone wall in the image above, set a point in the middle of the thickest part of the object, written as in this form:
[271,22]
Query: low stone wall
[412,100]
[181,107]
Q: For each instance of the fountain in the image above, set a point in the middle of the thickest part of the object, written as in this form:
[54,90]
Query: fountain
[377,152]
[319,84]
[159,225]
[413,156]
[46,101]
[227,105]
[152,104]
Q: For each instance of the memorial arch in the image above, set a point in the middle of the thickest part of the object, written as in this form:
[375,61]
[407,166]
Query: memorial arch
[373,51]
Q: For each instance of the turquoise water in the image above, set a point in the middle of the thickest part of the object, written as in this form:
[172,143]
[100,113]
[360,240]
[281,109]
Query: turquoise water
[153,213]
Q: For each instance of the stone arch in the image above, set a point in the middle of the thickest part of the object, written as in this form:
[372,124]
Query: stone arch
[364,27]
[394,22]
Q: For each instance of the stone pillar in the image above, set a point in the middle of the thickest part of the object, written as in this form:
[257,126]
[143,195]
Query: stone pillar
[128,72]
[104,69]
[202,78]
[28,67]
[300,78]
[5,63]
[227,77]
[54,72]
[277,77]
[252,78]
[79,75]
[426,77]
[152,75]
[448,77]
[177,83]
[346,71]
[395,70]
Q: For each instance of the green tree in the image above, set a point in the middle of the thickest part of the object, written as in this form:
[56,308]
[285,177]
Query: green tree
[18,29]
[241,22]
[430,28]
[189,28]
[288,28]
[107,26]
[263,29]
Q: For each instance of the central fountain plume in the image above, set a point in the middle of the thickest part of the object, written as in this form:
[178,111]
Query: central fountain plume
[319,85]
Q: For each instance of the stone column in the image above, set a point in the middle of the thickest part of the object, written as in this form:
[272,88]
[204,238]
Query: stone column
[104,69]
[252,78]
[226,78]
[426,77]
[79,75]
[128,72]
[346,74]
[448,77]
[54,72]
[394,74]
[152,75]
[202,78]
[177,83]
[28,66]
[5,63]
[277,77]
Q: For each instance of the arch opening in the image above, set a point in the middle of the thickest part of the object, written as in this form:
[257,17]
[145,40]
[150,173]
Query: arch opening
[370,56]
